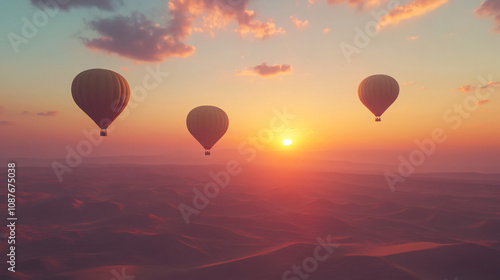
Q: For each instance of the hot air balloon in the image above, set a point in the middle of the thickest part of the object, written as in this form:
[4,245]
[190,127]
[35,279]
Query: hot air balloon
[207,124]
[102,94]
[377,93]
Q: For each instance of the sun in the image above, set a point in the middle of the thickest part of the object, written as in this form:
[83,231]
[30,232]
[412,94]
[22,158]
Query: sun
[287,142]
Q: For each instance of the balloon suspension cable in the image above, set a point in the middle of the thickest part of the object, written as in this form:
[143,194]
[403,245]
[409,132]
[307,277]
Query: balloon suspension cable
[378,119]
[207,152]
[104,132]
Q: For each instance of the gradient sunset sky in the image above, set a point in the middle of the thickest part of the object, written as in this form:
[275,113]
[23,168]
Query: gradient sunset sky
[249,58]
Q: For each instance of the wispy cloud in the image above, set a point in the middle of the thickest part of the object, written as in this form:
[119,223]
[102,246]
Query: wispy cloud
[265,70]
[107,5]
[469,88]
[6,123]
[413,9]
[300,24]
[481,102]
[490,85]
[47,114]
[466,88]
[359,4]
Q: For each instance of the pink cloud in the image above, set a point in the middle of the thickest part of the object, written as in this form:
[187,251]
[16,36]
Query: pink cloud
[469,88]
[136,37]
[265,70]
[215,15]
[359,4]
[490,8]
[466,88]
[413,9]
[47,114]
[299,23]
[261,30]
[490,85]
[481,102]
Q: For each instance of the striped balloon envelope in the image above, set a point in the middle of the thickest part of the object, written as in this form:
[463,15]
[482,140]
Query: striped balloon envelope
[102,94]
[207,124]
[377,93]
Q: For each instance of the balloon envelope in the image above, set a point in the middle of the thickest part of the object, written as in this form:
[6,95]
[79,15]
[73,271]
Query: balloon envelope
[207,124]
[377,93]
[101,94]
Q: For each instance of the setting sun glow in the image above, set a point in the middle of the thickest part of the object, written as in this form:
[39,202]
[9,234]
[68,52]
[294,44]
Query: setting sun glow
[287,142]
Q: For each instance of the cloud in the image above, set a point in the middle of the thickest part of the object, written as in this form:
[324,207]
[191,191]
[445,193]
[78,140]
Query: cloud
[47,114]
[413,9]
[466,88]
[261,30]
[490,8]
[326,30]
[265,70]
[139,38]
[124,68]
[298,23]
[216,15]
[6,123]
[469,88]
[25,112]
[412,38]
[490,85]
[409,83]
[136,37]
[481,102]
[107,5]
[359,4]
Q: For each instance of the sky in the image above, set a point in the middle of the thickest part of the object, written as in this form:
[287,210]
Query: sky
[253,58]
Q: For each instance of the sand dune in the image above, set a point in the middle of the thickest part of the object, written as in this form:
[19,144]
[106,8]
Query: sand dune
[106,220]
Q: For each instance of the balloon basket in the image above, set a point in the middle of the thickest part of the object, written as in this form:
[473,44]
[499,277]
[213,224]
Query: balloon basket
[104,132]
[207,152]
[378,119]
